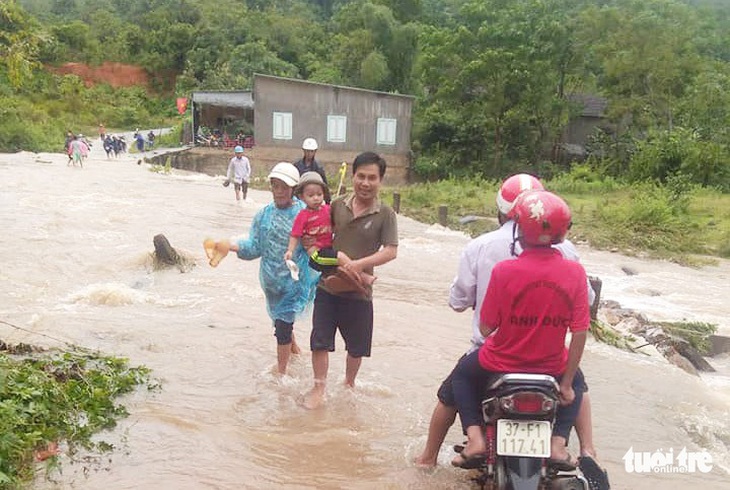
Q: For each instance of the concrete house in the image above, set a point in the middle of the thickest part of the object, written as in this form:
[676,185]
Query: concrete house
[283,112]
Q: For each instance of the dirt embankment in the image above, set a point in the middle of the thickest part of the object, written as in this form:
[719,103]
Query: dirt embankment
[115,74]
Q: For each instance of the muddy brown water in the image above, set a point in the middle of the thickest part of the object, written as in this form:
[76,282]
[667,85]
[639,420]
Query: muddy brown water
[75,248]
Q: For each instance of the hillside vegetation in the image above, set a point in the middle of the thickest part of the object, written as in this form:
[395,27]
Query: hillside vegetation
[493,79]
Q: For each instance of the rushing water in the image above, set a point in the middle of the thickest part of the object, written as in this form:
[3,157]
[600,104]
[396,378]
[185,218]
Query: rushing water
[76,267]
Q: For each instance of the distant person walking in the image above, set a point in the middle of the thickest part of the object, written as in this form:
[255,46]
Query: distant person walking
[67,146]
[109,147]
[139,141]
[77,148]
[239,172]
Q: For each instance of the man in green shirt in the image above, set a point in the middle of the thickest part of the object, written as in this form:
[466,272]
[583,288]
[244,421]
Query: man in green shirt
[366,232]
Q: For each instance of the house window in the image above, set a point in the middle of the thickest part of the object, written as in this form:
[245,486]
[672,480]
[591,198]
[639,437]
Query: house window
[282,125]
[386,131]
[337,129]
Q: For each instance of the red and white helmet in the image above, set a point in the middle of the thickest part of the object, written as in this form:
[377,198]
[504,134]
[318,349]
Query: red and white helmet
[512,188]
[542,218]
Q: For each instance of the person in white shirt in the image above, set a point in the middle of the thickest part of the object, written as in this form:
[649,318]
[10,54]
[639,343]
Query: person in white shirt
[239,172]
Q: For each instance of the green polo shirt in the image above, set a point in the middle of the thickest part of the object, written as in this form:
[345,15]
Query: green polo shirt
[362,236]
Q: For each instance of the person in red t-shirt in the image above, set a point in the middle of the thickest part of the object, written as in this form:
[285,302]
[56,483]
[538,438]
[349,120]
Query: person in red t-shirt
[530,304]
[315,221]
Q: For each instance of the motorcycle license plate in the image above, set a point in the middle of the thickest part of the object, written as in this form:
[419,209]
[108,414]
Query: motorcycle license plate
[530,438]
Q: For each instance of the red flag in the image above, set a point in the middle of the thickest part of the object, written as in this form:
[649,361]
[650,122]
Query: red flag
[182,104]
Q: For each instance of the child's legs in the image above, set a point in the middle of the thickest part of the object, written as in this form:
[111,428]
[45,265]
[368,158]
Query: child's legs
[323,260]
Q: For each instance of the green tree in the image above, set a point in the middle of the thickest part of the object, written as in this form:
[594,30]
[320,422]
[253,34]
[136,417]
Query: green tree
[374,71]
[494,82]
[395,41]
[19,43]
[642,55]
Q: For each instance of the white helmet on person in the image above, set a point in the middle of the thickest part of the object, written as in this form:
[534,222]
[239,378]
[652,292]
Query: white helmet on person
[309,144]
[238,149]
[512,187]
[286,172]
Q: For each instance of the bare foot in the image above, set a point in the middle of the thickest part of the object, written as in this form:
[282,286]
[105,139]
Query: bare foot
[559,453]
[424,463]
[585,451]
[314,398]
[473,453]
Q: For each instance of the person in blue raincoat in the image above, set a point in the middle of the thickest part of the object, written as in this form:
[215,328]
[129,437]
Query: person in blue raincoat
[286,297]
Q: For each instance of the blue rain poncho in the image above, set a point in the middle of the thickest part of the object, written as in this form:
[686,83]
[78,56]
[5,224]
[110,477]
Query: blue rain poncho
[268,239]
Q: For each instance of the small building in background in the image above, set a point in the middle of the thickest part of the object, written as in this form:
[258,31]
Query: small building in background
[590,116]
[227,111]
[279,113]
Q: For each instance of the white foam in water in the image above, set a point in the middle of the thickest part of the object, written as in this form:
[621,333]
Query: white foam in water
[420,243]
[109,294]
[195,177]
[436,229]
[247,290]
[118,294]
[711,434]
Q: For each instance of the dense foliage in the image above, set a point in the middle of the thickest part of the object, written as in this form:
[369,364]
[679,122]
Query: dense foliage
[51,398]
[494,79]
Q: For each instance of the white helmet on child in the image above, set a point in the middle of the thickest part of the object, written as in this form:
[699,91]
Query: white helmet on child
[309,144]
[286,172]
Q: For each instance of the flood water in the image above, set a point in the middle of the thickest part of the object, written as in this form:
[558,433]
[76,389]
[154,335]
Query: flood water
[76,267]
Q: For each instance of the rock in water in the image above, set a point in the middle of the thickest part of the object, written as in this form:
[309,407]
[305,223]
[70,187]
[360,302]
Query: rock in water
[164,251]
[165,256]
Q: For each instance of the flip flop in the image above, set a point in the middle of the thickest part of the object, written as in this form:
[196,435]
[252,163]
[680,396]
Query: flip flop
[596,476]
[209,246]
[567,464]
[217,253]
[471,462]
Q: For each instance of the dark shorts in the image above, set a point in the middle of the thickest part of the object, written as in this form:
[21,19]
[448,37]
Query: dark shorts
[445,392]
[243,186]
[353,317]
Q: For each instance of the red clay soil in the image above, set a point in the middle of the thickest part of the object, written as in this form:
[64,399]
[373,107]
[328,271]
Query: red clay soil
[115,74]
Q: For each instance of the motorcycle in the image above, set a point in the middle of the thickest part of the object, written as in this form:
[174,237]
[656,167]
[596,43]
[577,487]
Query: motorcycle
[519,411]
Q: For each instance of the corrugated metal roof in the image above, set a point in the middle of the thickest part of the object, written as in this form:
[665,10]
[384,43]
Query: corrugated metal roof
[593,105]
[342,87]
[225,98]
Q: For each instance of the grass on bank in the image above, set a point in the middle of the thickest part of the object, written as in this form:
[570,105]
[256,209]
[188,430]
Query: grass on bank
[677,221]
[696,333]
[49,398]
